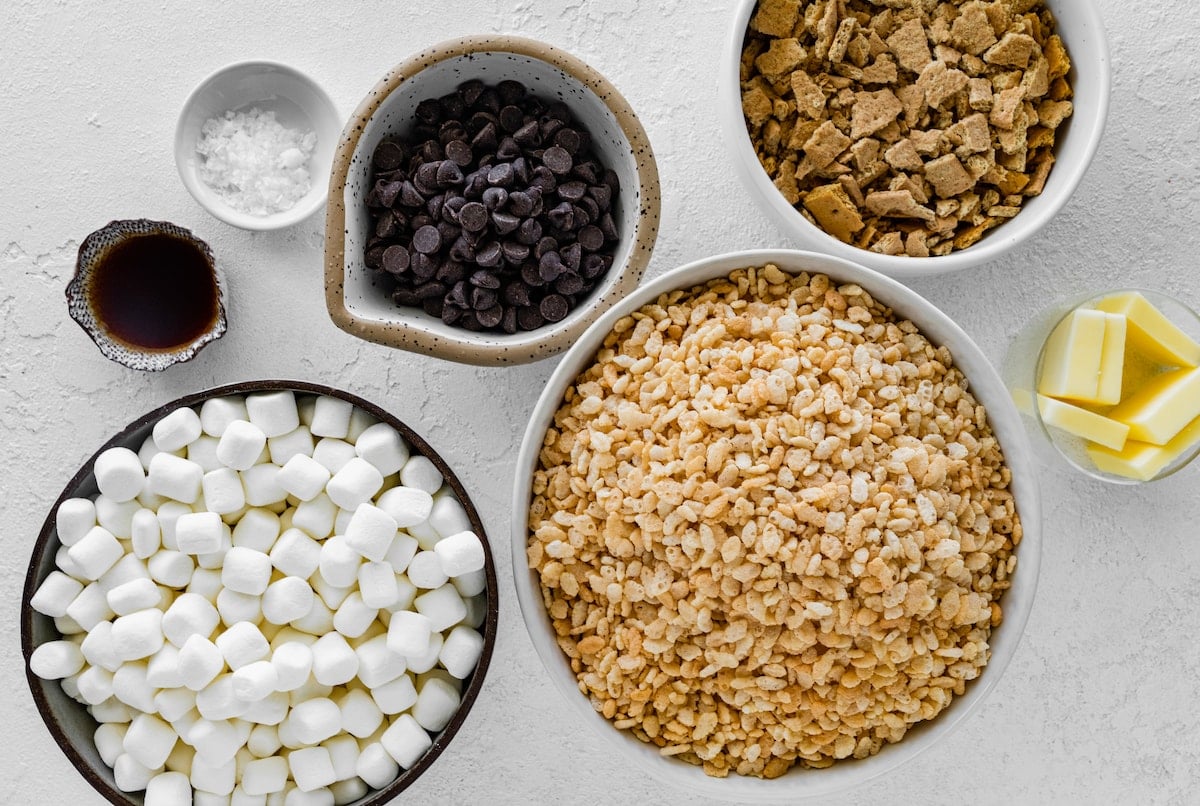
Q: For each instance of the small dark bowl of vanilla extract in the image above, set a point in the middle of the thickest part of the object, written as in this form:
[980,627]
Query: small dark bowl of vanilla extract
[148,293]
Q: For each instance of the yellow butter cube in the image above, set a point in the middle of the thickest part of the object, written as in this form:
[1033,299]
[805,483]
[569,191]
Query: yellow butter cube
[1112,360]
[1162,408]
[1151,332]
[1143,461]
[1083,423]
[1072,356]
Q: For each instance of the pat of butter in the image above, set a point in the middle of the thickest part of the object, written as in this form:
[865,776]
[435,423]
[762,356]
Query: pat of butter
[1112,360]
[1083,423]
[1162,408]
[1072,356]
[1143,461]
[1151,332]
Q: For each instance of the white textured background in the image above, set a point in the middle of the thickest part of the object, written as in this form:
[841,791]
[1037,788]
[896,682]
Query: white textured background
[1102,701]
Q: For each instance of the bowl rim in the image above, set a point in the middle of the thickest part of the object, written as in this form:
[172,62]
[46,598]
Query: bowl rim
[1006,426]
[184,151]
[465,346]
[997,243]
[47,540]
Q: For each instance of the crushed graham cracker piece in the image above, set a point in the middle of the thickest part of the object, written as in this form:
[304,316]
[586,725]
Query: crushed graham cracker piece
[822,148]
[841,39]
[781,58]
[979,94]
[910,47]
[872,111]
[890,244]
[881,71]
[948,176]
[903,156]
[1037,182]
[916,244]
[897,204]
[757,106]
[810,99]
[972,31]
[776,18]
[1013,50]
[834,211]
[1004,107]
[940,83]
[1051,114]
[1056,57]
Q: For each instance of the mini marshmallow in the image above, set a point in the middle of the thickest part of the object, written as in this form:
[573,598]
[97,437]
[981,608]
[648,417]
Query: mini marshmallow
[360,421]
[265,775]
[383,447]
[331,417]
[129,775]
[360,715]
[175,478]
[426,536]
[74,518]
[55,594]
[204,453]
[303,477]
[257,529]
[134,595]
[184,724]
[177,430]
[223,491]
[370,532]
[190,614]
[443,606]
[406,741]
[270,710]
[343,752]
[424,661]
[315,517]
[263,742]
[409,633]
[311,690]
[146,533]
[298,442]
[331,595]
[240,445]
[95,685]
[460,553]
[201,798]
[261,483]
[404,548]
[219,779]
[171,568]
[180,760]
[111,710]
[436,704]
[448,516]
[421,473]
[168,518]
[296,554]
[476,610]
[333,454]
[237,607]
[339,562]
[377,584]
[242,644]
[246,571]
[460,651]
[254,681]
[172,703]
[377,664]
[217,413]
[110,742]
[350,789]
[471,583]
[216,701]
[116,516]
[334,661]
[214,559]
[408,506]
[96,552]
[293,663]
[149,740]
[311,767]
[358,481]
[90,607]
[274,412]
[315,720]
[139,634]
[55,660]
[199,532]
[425,570]
[342,521]
[97,647]
[119,474]
[376,767]
[200,661]
[353,617]
[287,600]
[126,569]
[169,788]
[67,626]
[318,620]
[131,688]
[322,796]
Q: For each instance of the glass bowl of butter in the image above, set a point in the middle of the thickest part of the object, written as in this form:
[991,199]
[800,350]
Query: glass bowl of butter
[1112,381]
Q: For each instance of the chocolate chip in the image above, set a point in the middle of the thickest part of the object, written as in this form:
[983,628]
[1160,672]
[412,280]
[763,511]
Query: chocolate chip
[450,272]
[389,155]
[521,170]
[550,267]
[505,223]
[531,276]
[488,101]
[473,216]
[451,313]
[569,283]
[425,179]
[519,203]
[434,206]
[451,208]
[542,179]
[429,112]
[589,205]
[471,90]
[590,238]
[553,307]
[423,267]
[485,137]
[449,231]
[558,160]
[508,149]
[452,131]
[409,195]
[483,298]
[510,91]
[388,192]
[529,318]
[529,232]
[458,295]
[550,127]
[385,225]
[571,191]
[475,185]
[427,239]
[516,293]
[511,118]
[585,171]
[562,216]
[568,139]
[460,152]
[489,255]
[449,174]
[462,250]
[515,253]
[509,323]
[420,220]
[593,266]
[490,317]
[453,105]
[608,227]
[571,255]
[374,257]
[529,135]
[405,296]
[484,279]
[430,289]
[469,322]
[431,151]
[546,244]
[395,259]
[581,217]
[494,198]
[500,175]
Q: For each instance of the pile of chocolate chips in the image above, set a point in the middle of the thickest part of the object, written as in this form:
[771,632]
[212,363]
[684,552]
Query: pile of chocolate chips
[494,214]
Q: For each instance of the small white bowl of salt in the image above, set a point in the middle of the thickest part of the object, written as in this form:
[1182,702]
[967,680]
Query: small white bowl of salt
[254,145]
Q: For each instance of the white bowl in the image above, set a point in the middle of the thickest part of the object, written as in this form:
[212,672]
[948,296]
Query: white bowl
[297,101]
[987,387]
[1082,31]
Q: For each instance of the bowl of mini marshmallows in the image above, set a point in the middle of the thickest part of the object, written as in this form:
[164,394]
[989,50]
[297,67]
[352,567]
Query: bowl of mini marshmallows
[273,591]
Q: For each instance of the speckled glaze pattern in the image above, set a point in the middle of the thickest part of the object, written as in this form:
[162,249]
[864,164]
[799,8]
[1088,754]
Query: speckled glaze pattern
[69,722]
[79,304]
[365,312]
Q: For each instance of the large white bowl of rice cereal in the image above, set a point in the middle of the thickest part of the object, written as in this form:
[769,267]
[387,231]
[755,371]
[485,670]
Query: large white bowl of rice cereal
[765,541]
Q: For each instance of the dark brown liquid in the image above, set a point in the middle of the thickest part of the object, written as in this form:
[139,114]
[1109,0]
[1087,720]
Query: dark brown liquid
[154,291]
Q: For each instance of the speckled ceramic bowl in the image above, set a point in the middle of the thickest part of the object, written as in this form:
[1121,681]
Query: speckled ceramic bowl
[360,307]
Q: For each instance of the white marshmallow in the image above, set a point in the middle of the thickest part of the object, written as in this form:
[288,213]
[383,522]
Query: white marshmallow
[406,741]
[339,562]
[214,559]
[409,633]
[460,553]
[147,451]
[349,790]
[174,477]
[424,661]
[205,582]
[376,766]
[264,742]
[190,614]
[126,569]
[261,483]
[217,413]
[377,584]
[289,633]
[199,532]
[318,620]
[274,412]
[177,430]
[425,570]
[216,741]
[199,662]
[90,607]
[370,532]
[217,701]
[138,635]
[55,660]
[172,703]
[460,651]
[342,521]
[357,482]
[162,669]
[331,417]
[131,688]
[116,516]
[241,444]
[95,553]
[437,702]
[134,595]
[254,681]
[149,500]
[219,779]
[203,451]
[303,477]
[237,607]
[223,491]
[331,595]
[287,600]
[169,514]
[149,740]
[265,775]
[246,571]
[443,606]
[169,788]
[67,626]
[343,753]
[471,583]
[311,767]
[201,798]
[315,720]
[360,715]
[334,661]
[321,796]
[171,568]
[353,617]
[296,554]
[426,536]
[377,664]
[95,685]
[408,506]
[119,474]
[270,710]
[242,644]
[74,518]
[382,446]
[421,473]
[110,741]
[293,662]
[184,724]
[476,610]
[55,594]
[298,442]
[257,529]
[146,533]
[333,454]
[97,647]
[360,421]
[129,775]
[111,710]
[448,517]
[181,759]
[315,517]
[404,548]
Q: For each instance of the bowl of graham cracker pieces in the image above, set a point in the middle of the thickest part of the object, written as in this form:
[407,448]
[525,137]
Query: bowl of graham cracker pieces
[916,140]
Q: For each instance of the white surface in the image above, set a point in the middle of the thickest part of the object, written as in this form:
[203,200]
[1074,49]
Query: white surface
[1098,704]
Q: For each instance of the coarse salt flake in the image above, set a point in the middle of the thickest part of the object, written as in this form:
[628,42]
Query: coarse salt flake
[254,163]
